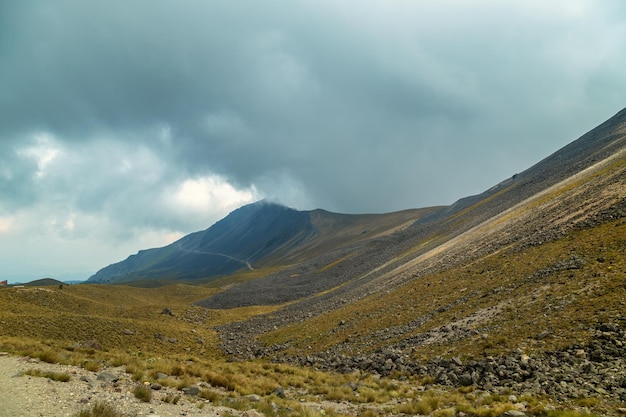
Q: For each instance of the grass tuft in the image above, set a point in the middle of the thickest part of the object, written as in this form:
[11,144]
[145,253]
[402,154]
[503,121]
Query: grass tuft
[100,409]
[54,376]
[143,393]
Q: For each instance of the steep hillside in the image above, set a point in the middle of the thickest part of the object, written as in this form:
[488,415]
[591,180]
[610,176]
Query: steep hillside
[258,235]
[589,166]
[535,266]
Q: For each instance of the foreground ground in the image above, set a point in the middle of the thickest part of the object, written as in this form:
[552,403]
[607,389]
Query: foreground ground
[33,387]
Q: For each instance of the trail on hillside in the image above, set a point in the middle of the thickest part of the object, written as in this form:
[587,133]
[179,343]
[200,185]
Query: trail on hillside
[243,261]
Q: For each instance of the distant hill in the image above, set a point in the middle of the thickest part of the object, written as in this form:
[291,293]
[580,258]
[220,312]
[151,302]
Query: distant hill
[44,282]
[256,235]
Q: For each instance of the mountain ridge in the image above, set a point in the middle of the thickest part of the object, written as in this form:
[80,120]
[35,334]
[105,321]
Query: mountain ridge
[269,234]
[263,233]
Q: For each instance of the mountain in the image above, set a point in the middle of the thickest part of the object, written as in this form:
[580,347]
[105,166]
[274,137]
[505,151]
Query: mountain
[257,235]
[512,300]
[434,240]
[534,263]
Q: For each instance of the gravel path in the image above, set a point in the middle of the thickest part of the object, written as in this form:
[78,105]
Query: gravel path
[26,396]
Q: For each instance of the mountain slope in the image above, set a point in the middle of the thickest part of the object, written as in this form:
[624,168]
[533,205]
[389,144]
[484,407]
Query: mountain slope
[536,263]
[257,235]
[382,259]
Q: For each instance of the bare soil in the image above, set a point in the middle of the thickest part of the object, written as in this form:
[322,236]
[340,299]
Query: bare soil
[30,396]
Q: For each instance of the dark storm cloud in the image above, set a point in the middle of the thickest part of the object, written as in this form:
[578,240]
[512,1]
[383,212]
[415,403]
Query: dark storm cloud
[117,116]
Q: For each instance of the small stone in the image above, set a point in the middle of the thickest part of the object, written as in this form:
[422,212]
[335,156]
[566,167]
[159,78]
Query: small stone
[191,391]
[91,344]
[252,413]
[107,376]
[161,375]
[466,380]
[279,392]
[253,398]
[513,413]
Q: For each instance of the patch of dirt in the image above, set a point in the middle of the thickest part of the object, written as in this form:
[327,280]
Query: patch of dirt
[30,396]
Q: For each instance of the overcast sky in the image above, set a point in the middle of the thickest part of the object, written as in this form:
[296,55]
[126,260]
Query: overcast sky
[127,124]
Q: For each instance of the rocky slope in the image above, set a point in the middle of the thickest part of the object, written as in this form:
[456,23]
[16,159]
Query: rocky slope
[421,285]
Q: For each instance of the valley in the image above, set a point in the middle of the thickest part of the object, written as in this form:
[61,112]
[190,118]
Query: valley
[508,303]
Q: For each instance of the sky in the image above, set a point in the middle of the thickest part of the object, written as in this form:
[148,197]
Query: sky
[126,124]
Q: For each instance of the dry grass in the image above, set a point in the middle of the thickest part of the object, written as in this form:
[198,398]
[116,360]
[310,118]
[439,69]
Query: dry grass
[100,409]
[527,289]
[53,376]
[143,393]
[51,324]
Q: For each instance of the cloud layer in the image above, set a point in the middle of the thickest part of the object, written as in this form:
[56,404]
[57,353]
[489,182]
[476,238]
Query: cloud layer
[125,124]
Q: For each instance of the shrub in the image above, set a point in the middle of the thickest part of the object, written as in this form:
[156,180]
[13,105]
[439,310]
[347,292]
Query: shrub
[100,409]
[210,395]
[419,407]
[171,399]
[143,393]
[219,380]
[92,366]
[49,356]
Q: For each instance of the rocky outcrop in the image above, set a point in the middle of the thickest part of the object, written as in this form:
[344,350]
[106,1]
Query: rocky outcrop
[597,369]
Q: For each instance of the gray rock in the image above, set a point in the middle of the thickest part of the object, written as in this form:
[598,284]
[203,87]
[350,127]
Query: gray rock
[91,344]
[191,391]
[513,413]
[107,377]
[465,380]
[252,413]
[279,392]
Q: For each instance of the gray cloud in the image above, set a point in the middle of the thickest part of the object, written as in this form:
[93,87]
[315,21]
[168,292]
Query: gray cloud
[166,115]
